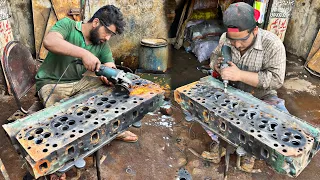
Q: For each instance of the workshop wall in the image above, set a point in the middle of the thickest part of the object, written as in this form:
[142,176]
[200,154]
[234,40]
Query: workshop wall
[22,22]
[144,19]
[303,27]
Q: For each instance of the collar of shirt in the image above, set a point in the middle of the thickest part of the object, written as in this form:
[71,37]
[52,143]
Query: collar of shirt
[258,44]
[78,26]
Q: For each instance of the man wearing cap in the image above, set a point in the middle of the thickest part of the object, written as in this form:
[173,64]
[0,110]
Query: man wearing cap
[258,56]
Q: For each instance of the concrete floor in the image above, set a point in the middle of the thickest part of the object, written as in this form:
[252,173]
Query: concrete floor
[164,140]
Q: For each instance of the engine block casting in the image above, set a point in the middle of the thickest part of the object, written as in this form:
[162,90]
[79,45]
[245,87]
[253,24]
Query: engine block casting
[57,136]
[285,142]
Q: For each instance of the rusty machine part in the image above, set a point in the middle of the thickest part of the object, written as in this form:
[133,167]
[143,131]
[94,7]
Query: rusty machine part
[285,142]
[56,137]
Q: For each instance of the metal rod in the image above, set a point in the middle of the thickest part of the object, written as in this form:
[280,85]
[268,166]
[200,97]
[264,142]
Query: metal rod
[4,171]
[98,154]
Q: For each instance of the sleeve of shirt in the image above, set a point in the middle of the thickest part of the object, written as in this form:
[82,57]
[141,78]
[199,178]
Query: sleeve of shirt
[217,51]
[106,54]
[63,26]
[271,77]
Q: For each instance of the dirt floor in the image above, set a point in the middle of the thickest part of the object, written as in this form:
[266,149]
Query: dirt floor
[164,140]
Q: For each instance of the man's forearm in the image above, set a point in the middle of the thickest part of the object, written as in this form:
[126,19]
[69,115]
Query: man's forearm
[250,78]
[60,46]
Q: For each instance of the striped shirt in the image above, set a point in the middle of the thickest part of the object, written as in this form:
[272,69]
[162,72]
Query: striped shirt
[266,56]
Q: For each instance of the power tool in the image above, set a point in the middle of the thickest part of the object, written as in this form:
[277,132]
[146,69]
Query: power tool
[226,54]
[118,77]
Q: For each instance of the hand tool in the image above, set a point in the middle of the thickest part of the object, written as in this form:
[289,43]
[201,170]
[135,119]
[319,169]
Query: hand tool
[226,54]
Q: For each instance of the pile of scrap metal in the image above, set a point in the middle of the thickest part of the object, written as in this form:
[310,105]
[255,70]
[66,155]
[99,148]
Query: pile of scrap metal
[285,142]
[57,137]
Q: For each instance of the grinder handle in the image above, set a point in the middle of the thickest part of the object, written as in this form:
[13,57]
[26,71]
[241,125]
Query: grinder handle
[226,54]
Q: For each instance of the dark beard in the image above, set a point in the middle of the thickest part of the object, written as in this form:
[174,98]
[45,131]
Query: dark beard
[94,36]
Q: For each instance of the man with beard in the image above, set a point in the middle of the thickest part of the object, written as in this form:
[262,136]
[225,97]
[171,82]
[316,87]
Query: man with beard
[69,40]
[258,58]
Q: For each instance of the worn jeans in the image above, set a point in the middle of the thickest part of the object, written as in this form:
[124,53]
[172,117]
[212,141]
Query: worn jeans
[66,90]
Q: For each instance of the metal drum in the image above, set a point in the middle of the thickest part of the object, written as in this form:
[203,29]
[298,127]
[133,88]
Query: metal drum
[153,54]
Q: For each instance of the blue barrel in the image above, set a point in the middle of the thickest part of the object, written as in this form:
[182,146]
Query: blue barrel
[153,54]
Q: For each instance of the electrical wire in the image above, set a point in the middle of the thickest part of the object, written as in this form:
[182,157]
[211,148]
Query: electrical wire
[57,83]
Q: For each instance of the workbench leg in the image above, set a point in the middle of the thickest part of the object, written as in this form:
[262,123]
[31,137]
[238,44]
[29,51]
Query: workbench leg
[227,160]
[97,157]
[4,171]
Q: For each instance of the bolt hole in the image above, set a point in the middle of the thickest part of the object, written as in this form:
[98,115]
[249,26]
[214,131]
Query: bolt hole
[264,153]
[71,150]
[63,119]
[223,126]
[71,122]
[108,105]
[39,131]
[43,166]
[64,128]
[93,111]
[284,150]
[242,138]
[296,143]
[46,135]
[38,141]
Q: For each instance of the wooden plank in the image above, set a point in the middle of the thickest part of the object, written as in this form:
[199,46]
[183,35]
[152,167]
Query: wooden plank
[63,7]
[52,20]
[179,38]
[182,17]
[40,12]
[314,63]
[315,47]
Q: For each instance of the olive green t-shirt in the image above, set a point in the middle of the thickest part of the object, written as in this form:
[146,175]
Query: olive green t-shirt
[54,64]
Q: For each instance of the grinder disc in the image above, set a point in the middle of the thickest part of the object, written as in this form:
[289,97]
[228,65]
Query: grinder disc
[121,89]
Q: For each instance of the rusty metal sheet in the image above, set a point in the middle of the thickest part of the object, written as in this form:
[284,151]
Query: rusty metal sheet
[63,7]
[57,136]
[285,142]
[19,68]
[41,12]
[5,37]
[51,21]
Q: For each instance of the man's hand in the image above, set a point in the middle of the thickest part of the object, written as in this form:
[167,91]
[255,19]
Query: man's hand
[91,62]
[232,73]
[104,79]
[217,65]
